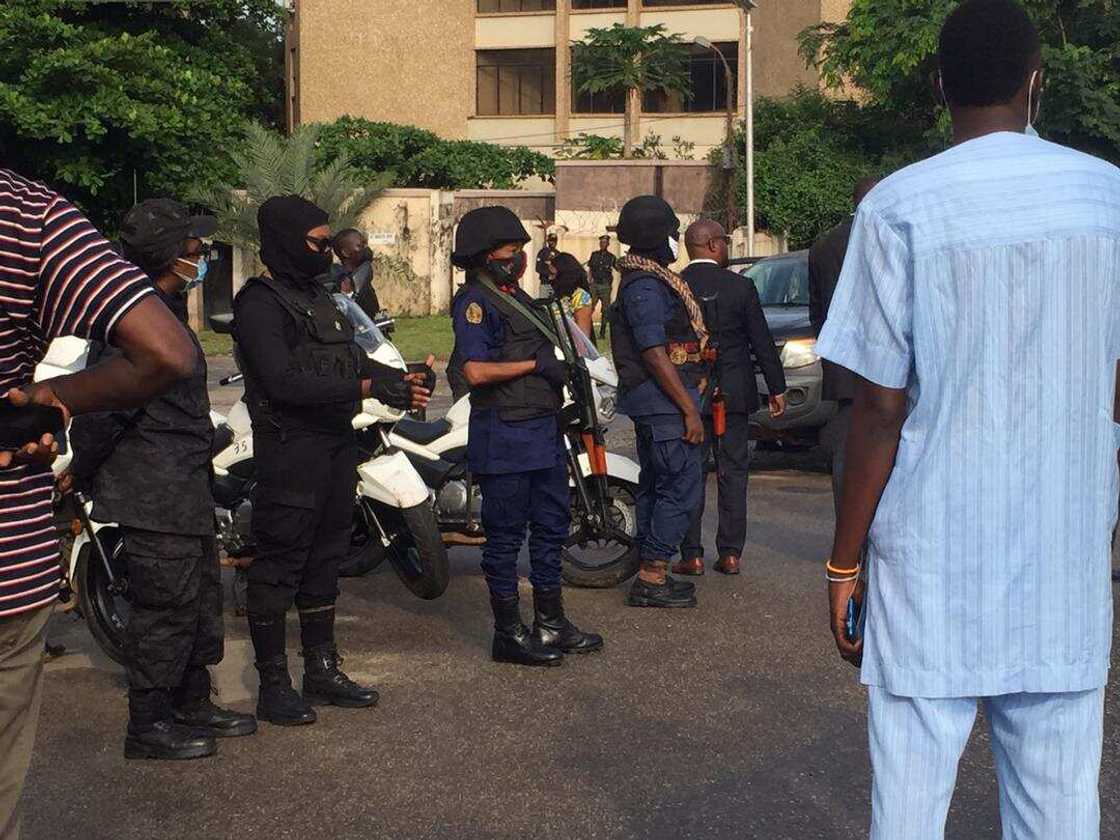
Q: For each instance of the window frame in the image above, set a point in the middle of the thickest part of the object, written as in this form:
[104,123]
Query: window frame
[703,55]
[547,69]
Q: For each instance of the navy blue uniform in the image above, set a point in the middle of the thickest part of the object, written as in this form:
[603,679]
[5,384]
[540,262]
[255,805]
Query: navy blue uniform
[671,483]
[520,465]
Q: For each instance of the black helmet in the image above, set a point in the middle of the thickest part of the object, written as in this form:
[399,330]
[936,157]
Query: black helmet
[482,230]
[647,222]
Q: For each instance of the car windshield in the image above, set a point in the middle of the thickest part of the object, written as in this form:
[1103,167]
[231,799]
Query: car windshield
[783,281]
[366,334]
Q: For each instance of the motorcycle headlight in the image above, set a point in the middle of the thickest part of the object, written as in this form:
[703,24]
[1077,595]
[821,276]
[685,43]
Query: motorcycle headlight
[608,402]
[800,353]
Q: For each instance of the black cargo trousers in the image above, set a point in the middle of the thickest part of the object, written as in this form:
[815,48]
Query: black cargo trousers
[303,508]
[175,627]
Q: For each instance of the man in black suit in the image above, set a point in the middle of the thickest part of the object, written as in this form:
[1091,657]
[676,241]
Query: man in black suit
[734,314]
[826,260]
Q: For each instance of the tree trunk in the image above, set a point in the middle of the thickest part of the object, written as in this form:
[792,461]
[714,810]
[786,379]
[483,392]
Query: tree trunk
[627,140]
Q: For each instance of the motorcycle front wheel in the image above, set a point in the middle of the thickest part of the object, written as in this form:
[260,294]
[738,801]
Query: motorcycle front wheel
[600,561]
[105,610]
[416,550]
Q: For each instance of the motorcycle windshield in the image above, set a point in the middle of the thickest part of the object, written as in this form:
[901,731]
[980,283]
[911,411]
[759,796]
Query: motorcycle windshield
[366,334]
[584,345]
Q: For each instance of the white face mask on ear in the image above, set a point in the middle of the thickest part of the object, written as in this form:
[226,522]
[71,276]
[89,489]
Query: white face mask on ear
[675,248]
[1030,130]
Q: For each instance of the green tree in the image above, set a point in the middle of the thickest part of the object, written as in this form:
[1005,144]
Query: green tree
[810,150]
[269,164]
[100,99]
[646,59]
[413,157]
[888,49]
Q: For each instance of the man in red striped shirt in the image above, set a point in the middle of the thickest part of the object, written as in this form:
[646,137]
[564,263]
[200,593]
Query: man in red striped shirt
[58,277]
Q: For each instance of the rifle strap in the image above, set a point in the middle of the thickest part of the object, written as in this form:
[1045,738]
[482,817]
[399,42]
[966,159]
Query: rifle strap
[511,304]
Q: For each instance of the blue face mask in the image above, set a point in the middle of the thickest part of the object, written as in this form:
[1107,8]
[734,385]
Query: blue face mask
[200,273]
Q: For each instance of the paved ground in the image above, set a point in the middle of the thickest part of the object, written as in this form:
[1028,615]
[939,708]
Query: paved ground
[734,720]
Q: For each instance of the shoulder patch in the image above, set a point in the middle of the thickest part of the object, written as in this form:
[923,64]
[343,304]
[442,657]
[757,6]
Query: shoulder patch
[474,313]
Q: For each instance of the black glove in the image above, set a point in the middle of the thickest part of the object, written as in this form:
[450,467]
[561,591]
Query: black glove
[429,375]
[393,392]
[551,368]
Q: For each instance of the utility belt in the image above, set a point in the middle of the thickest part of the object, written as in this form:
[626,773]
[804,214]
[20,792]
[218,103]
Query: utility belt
[685,352]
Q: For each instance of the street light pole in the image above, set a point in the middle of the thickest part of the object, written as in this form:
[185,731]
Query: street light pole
[748,6]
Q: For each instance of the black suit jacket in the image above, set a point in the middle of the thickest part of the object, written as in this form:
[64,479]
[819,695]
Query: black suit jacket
[740,329]
[826,260]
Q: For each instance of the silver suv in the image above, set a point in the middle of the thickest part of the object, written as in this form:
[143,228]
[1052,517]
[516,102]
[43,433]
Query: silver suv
[783,288]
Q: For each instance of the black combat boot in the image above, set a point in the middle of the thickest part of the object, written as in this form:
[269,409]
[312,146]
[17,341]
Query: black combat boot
[512,640]
[152,734]
[644,594]
[325,684]
[279,703]
[553,629]
[193,708]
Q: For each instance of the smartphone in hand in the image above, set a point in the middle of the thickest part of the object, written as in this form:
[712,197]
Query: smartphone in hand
[856,618]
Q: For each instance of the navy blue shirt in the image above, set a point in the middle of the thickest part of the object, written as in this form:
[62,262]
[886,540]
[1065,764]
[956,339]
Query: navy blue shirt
[648,305]
[493,445]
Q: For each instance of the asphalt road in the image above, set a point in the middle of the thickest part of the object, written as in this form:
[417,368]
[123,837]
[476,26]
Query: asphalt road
[733,720]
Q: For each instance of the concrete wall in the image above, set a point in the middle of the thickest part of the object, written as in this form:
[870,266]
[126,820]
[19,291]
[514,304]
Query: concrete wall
[607,185]
[403,61]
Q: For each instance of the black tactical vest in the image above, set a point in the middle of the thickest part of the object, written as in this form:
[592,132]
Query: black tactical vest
[527,397]
[684,345]
[326,349]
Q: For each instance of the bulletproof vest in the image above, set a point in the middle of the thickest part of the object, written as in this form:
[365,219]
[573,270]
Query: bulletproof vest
[527,397]
[325,349]
[683,343]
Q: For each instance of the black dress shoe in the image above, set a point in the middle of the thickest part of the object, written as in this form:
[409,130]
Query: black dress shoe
[680,585]
[552,628]
[513,642]
[663,595]
[324,683]
[215,721]
[278,702]
[167,741]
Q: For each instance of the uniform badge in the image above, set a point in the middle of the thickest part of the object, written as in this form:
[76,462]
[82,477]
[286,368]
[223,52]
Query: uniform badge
[678,356]
[474,314]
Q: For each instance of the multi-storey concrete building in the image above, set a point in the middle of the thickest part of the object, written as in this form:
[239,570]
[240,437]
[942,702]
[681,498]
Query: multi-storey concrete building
[500,70]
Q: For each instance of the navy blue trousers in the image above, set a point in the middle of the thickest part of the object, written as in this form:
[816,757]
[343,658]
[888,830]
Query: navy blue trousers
[539,500]
[669,490]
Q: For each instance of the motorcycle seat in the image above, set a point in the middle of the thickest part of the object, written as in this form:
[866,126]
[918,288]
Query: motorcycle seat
[422,433]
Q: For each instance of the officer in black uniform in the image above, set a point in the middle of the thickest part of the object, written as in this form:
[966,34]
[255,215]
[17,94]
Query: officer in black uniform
[659,342]
[304,377]
[149,471]
[515,449]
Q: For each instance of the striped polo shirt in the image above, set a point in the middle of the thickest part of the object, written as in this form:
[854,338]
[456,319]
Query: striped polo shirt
[58,277]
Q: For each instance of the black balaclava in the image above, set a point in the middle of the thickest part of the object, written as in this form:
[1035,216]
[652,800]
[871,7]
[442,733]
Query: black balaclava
[284,222]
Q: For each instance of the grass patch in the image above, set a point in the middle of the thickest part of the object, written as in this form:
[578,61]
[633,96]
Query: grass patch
[417,337]
[215,344]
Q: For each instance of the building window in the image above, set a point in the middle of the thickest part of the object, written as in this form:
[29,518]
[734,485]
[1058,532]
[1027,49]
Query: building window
[500,6]
[685,2]
[709,84]
[516,82]
[598,4]
[608,102]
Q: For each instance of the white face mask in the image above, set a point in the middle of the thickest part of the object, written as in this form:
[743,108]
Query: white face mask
[1032,111]
[675,248]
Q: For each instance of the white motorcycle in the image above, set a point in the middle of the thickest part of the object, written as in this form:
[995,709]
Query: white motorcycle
[393,513]
[600,551]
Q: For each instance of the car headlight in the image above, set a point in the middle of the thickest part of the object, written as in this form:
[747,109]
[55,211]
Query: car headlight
[800,353]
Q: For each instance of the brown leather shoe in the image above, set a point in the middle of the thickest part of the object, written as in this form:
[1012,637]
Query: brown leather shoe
[694,567]
[728,565]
